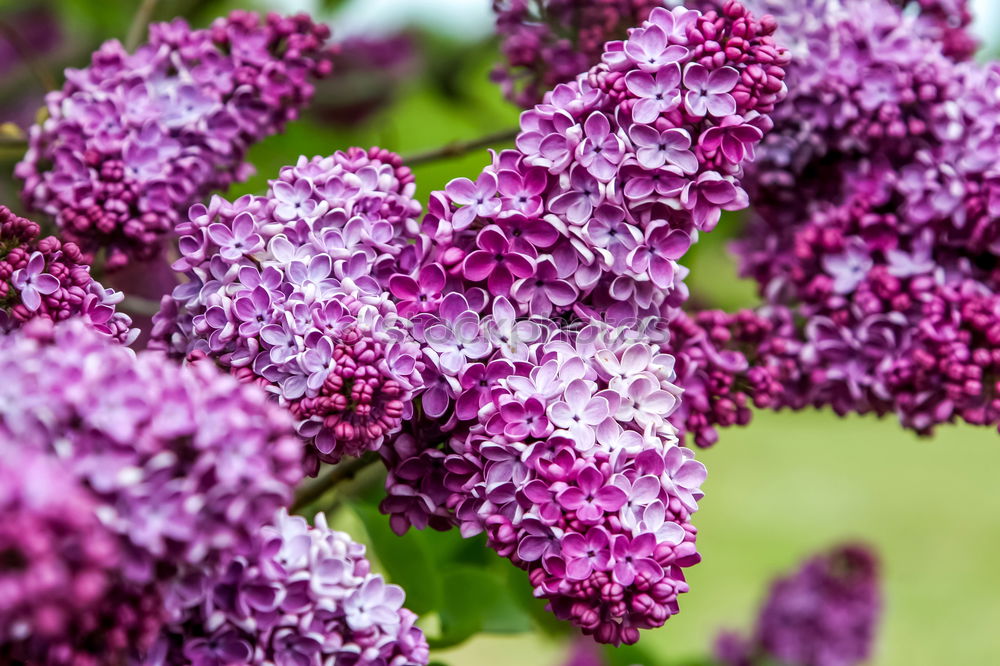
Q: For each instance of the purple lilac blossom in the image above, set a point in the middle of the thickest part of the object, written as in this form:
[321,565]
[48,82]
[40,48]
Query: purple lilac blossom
[59,567]
[876,224]
[302,595]
[549,425]
[825,614]
[45,278]
[134,138]
[290,291]
[184,464]
[548,42]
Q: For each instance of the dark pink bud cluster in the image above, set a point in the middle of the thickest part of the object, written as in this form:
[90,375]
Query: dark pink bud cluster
[134,138]
[45,278]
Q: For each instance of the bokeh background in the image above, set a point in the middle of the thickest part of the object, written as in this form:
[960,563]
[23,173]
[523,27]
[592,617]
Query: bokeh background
[788,485]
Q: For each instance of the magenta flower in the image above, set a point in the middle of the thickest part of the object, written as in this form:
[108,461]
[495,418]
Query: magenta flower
[658,254]
[648,48]
[583,195]
[657,95]
[475,199]
[418,295]
[579,412]
[734,140]
[33,282]
[521,193]
[548,287]
[633,557]
[238,239]
[708,196]
[671,147]
[708,92]
[601,151]
[585,554]
[591,497]
[520,420]
[496,262]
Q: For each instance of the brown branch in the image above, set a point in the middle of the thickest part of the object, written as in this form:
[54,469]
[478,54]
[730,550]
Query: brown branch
[340,473]
[459,148]
[140,22]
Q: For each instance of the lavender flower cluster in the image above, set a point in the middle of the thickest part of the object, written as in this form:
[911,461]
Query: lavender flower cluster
[548,42]
[554,439]
[288,291]
[134,138]
[876,199]
[302,595]
[45,278]
[825,614]
[168,469]
[571,468]
[58,563]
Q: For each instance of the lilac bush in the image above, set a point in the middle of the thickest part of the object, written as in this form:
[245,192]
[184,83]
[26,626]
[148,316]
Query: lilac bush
[301,595]
[135,138]
[182,465]
[289,291]
[825,614]
[46,278]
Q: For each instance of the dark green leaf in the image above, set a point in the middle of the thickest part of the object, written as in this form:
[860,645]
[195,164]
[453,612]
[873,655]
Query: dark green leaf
[406,560]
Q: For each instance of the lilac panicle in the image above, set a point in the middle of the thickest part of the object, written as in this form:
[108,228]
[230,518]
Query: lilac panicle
[58,575]
[45,278]
[302,595]
[875,225]
[289,291]
[182,464]
[134,138]
[546,417]
[825,614]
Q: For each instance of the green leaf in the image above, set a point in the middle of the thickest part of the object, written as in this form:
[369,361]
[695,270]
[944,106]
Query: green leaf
[406,559]
[474,600]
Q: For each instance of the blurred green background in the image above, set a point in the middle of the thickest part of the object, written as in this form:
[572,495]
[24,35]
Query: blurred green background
[787,486]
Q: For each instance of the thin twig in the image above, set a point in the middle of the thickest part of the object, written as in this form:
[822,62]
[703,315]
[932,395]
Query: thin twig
[12,144]
[458,148]
[28,55]
[340,473]
[140,22]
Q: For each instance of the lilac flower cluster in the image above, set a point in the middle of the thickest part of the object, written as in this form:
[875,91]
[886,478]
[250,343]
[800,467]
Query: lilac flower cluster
[877,221]
[555,440]
[946,22]
[616,172]
[725,363]
[570,467]
[286,290]
[548,42]
[182,466]
[303,595]
[58,562]
[49,279]
[825,614]
[136,137]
